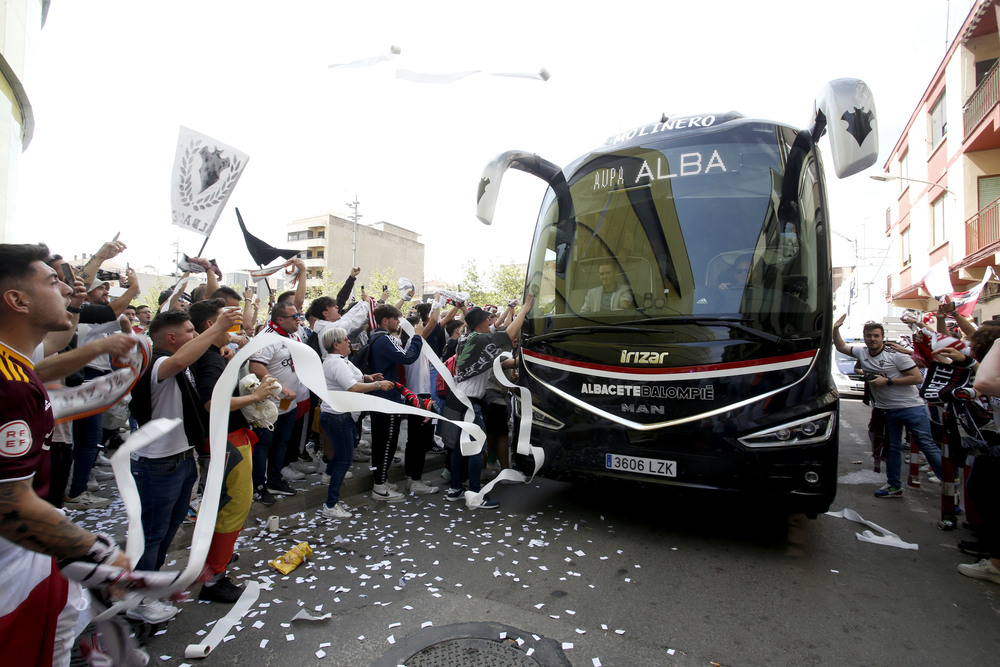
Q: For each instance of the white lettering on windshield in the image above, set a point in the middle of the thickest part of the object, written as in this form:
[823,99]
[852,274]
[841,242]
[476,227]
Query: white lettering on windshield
[691,164]
[608,178]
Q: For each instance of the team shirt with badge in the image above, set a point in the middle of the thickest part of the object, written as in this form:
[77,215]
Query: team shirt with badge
[891,364]
[27,422]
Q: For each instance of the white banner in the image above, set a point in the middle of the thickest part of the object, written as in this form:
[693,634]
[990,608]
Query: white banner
[204,175]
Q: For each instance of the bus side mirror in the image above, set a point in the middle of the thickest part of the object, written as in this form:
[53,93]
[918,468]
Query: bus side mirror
[847,107]
[489,182]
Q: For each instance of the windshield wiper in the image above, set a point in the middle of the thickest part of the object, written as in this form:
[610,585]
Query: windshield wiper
[730,322]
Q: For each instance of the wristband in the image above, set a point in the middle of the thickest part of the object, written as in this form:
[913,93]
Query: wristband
[890,381]
[73,309]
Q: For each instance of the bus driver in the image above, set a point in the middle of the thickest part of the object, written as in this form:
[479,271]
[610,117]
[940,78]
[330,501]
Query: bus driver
[609,295]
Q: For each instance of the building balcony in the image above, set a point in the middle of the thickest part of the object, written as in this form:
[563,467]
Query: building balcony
[315,263]
[981,116]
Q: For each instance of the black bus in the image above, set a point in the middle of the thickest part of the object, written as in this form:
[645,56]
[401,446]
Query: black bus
[681,327]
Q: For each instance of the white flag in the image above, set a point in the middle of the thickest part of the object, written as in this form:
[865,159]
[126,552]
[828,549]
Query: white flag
[205,173]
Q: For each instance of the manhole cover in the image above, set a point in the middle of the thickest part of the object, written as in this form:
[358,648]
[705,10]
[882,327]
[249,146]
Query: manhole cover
[471,652]
[483,644]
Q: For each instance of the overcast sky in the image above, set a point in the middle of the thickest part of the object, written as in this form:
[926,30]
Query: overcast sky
[112,80]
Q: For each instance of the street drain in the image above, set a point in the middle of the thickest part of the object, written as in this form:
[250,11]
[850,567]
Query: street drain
[473,652]
[475,645]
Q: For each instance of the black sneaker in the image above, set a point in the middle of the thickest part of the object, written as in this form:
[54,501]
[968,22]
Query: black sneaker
[263,496]
[280,488]
[223,590]
[974,548]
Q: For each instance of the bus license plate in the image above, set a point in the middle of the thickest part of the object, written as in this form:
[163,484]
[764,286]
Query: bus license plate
[642,465]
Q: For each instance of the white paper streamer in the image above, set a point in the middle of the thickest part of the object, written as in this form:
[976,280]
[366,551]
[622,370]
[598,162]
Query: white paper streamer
[887,538]
[374,60]
[135,543]
[225,624]
[452,77]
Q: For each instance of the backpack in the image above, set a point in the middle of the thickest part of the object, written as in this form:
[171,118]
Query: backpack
[440,385]
[363,357]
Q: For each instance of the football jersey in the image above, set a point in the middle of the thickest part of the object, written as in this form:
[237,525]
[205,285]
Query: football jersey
[26,422]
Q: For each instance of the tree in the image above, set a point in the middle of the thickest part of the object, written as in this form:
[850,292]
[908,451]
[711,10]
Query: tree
[503,283]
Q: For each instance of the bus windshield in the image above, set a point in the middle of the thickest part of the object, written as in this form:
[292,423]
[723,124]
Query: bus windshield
[720,225]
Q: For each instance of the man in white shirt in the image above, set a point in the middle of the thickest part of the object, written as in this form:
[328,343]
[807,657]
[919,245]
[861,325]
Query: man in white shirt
[165,470]
[894,384]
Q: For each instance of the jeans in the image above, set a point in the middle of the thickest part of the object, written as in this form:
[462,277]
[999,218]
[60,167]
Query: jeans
[87,434]
[165,491]
[474,462]
[340,430]
[918,424]
[269,451]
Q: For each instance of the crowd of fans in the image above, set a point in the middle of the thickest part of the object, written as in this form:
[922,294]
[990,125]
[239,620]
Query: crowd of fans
[60,326]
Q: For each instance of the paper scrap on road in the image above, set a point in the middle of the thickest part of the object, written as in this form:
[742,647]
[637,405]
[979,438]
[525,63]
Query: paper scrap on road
[887,538]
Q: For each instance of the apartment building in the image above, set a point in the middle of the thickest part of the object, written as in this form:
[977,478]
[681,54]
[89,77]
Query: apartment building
[946,170]
[335,243]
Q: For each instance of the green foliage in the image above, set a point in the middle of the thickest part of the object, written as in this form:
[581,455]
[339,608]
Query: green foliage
[150,295]
[330,286]
[502,283]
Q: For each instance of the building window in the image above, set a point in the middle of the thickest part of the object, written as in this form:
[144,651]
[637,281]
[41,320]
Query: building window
[319,254]
[938,221]
[904,246]
[939,120]
[904,171]
[988,190]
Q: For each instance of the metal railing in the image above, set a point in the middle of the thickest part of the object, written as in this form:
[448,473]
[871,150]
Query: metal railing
[983,229]
[983,98]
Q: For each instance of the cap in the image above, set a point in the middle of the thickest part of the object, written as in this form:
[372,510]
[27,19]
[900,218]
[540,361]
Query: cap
[475,317]
[97,284]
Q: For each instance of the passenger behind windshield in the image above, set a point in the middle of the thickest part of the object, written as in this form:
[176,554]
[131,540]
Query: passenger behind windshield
[609,295]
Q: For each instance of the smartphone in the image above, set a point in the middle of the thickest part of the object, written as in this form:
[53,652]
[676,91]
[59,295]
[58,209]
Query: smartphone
[67,272]
[385,288]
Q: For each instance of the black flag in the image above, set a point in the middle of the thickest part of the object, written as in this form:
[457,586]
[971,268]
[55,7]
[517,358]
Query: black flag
[261,252]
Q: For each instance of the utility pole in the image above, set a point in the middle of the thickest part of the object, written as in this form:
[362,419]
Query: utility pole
[355,216]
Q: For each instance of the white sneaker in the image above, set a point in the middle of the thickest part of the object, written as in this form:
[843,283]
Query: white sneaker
[153,611]
[102,461]
[335,512]
[101,475]
[324,478]
[383,492]
[446,475]
[421,489]
[932,478]
[92,485]
[307,467]
[984,569]
[289,473]
[348,474]
[86,501]
[393,486]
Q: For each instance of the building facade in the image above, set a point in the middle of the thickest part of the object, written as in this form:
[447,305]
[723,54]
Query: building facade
[337,244]
[946,168]
[20,23]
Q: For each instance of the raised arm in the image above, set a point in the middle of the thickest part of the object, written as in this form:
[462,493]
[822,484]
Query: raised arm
[514,330]
[838,340]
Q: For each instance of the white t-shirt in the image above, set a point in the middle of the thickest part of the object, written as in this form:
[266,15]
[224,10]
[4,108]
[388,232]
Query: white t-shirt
[891,364]
[418,376]
[278,360]
[340,375]
[165,397]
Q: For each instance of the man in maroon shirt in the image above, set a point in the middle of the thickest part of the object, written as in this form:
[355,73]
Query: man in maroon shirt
[35,537]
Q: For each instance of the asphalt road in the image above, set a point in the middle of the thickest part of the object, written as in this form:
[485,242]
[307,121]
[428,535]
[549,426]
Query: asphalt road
[609,575]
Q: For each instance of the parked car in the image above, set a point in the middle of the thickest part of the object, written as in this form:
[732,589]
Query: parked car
[849,382]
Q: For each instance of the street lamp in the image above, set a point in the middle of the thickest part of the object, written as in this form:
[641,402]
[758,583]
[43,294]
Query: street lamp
[887,177]
[354,216]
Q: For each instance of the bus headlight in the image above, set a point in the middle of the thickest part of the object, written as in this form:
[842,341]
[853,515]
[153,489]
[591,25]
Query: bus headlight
[802,432]
[545,420]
